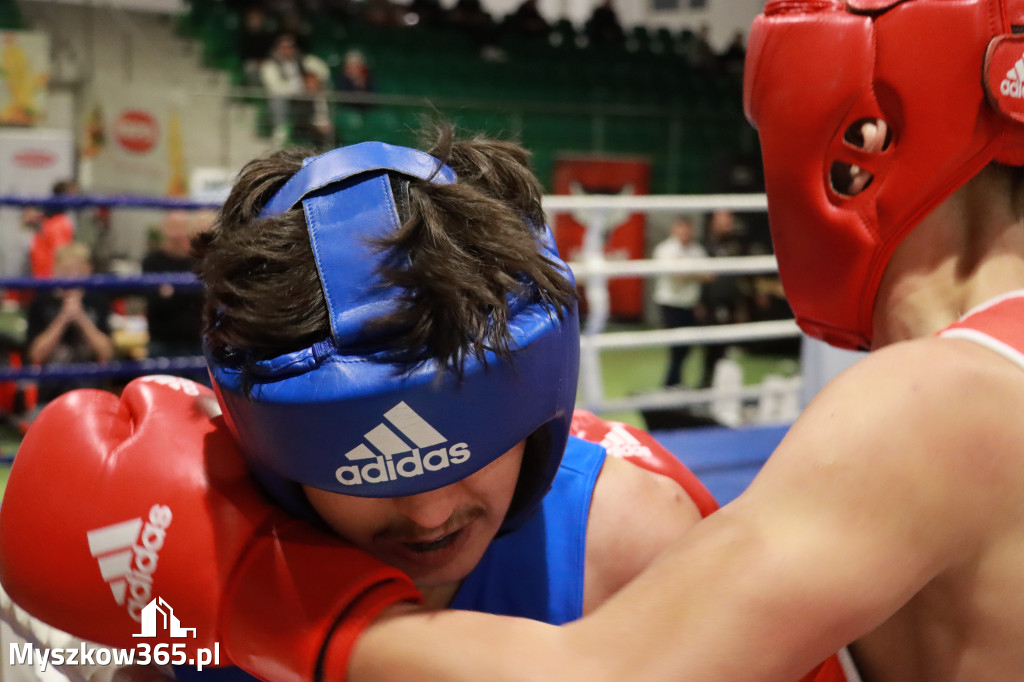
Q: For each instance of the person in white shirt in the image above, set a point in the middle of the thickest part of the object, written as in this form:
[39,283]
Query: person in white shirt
[678,296]
[284,76]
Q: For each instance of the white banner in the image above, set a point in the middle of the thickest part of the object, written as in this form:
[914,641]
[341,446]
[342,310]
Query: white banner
[32,160]
[133,143]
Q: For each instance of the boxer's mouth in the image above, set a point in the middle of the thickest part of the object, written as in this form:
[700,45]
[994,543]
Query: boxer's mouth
[433,545]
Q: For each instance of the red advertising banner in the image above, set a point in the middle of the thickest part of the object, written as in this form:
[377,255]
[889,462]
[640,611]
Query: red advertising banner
[624,239]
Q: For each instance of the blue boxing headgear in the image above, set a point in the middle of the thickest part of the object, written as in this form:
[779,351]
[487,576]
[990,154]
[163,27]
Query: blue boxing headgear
[341,415]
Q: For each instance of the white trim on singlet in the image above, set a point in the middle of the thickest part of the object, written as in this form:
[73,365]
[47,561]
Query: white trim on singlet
[983,339]
[1016,293]
[848,666]
[987,340]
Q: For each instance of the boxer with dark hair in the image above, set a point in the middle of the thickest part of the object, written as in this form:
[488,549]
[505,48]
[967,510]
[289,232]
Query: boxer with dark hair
[393,340]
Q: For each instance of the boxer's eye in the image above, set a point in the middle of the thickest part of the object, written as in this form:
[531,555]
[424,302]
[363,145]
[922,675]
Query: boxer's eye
[871,135]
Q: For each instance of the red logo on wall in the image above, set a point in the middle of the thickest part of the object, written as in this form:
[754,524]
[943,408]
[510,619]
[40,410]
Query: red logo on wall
[34,158]
[136,130]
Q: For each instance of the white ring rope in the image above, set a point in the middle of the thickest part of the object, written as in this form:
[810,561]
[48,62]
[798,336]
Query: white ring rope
[741,265]
[600,213]
[723,333]
[632,203]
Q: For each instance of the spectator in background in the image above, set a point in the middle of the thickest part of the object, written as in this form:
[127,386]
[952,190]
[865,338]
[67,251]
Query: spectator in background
[174,317]
[255,41]
[356,77]
[283,76]
[56,229]
[528,20]
[678,296]
[603,27]
[68,325]
[723,297]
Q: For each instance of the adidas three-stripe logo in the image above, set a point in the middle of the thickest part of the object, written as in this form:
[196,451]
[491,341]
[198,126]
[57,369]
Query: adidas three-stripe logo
[402,432]
[127,554]
[1012,84]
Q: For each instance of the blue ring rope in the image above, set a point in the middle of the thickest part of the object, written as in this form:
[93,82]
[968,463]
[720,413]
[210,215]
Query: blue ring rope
[77,201]
[114,369]
[183,280]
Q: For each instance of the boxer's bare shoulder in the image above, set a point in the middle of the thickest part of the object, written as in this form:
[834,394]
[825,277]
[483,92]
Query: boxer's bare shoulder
[634,515]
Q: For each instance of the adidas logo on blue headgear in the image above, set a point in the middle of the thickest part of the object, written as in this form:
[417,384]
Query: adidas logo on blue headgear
[343,420]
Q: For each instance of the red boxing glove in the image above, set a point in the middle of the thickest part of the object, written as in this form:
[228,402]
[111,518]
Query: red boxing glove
[639,447]
[120,508]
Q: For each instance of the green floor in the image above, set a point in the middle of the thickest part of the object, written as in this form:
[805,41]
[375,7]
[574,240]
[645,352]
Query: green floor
[627,372]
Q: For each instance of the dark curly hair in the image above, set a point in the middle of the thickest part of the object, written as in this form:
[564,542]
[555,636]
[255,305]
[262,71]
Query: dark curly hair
[466,247]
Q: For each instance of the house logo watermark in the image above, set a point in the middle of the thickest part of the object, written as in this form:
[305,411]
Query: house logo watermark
[157,621]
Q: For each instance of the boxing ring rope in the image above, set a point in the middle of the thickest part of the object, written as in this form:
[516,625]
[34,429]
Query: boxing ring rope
[598,213]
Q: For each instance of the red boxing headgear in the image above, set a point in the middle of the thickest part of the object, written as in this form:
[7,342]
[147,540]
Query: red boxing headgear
[947,79]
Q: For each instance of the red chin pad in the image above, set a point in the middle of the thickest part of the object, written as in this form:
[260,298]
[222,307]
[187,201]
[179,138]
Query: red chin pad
[816,71]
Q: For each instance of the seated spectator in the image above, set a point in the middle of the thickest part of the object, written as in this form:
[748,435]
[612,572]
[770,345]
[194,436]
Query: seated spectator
[356,77]
[255,41]
[527,19]
[174,317]
[603,27]
[68,325]
[283,76]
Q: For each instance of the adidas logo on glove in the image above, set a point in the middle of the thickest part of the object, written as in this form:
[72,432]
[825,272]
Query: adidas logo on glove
[1012,84]
[127,554]
[380,466]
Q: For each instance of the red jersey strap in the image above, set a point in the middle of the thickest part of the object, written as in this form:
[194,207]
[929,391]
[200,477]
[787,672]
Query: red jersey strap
[837,668]
[997,324]
[640,448]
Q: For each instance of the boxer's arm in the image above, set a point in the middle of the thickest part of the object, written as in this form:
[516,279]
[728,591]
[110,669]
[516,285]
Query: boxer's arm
[854,513]
[862,505]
